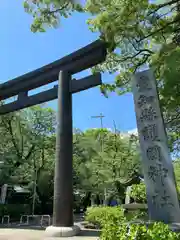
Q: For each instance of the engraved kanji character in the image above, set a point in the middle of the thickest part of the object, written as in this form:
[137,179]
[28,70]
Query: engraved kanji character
[142,100]
[154,153]
[157,172]
[143,84]
[152,173]
[150,132]
[148,114]
[165,199]
[155,197]
[162,199]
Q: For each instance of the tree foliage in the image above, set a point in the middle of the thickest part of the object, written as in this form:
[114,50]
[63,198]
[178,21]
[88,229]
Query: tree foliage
[47,13]
[27,149]
[105,162]
[106,170]
[139,33]
[138,193]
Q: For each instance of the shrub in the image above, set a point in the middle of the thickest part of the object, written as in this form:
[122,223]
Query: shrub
[178,191]
[136,214]
[161,231]
[121,232]
[112,222]
[156,231]
[100,215]
[138,193]
[14,210]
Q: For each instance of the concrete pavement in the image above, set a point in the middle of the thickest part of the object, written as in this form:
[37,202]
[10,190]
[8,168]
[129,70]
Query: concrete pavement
[27,234]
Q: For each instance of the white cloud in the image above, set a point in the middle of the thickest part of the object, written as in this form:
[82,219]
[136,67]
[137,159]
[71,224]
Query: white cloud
[129,132]
[123,134]
[133,131]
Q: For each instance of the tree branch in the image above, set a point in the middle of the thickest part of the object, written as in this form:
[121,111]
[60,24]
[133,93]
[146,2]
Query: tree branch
[143,61]
[135,55]
[177,117]
[30,152]
[13,139]
[22,138]
[159,30]
[50,12]
[159,6]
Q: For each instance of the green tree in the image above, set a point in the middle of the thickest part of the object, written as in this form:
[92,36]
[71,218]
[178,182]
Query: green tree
[138,193]
[139,34]
[176,165]
[28,152]
[28,148]
[15,146]
[111,169]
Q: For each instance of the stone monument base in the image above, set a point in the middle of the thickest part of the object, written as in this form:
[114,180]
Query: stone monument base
[53,231]
[175,227]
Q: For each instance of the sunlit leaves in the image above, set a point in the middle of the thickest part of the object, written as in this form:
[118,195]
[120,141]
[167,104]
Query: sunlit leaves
[138,33]
[102,166]
[24,135]
[141,33]
[47,13]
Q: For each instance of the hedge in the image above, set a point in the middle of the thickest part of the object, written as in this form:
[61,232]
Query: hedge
[15,210]
[114,226]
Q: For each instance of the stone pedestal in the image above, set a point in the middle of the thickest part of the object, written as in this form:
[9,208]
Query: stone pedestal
[175,227]
[55,232]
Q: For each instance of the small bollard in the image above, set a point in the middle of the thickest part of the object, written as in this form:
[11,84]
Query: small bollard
[6,217]
[21,220]
[33,219]
[46,218]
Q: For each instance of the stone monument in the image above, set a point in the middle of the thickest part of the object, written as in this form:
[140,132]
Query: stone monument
[158,170]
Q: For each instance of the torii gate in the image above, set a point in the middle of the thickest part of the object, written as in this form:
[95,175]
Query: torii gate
[62,69]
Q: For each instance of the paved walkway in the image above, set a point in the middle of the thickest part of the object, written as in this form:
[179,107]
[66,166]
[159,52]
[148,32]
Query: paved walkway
[15,232]
[25,234]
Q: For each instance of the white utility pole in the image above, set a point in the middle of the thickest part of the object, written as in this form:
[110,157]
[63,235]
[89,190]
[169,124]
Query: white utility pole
[101,116]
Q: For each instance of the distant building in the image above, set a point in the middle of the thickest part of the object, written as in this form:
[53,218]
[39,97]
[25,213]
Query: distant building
[14,194]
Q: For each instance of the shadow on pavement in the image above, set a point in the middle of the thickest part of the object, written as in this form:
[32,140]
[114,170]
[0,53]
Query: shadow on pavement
[89,233]
[13,226]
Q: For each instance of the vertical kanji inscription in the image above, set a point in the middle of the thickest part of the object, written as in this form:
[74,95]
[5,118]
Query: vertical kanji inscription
[162,197]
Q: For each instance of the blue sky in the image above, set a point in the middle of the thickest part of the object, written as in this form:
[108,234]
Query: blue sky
[23,51]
